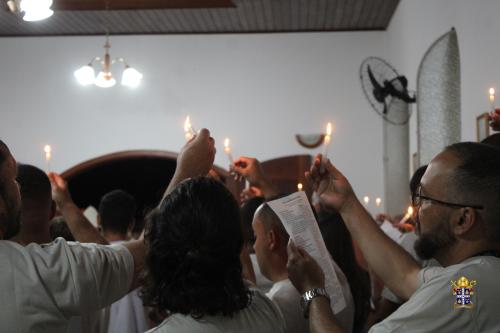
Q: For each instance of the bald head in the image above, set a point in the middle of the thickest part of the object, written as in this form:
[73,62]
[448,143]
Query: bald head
[271,221]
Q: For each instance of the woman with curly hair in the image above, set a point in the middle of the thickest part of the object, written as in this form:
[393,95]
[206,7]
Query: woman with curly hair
[194,273]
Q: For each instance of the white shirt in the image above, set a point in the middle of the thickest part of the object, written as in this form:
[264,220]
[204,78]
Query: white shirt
[42,286]
[287,298]
[261,316]
[431,307]
[127,315]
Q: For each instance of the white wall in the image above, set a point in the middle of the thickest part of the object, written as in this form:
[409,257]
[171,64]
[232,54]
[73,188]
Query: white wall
[259,90]
[416,24]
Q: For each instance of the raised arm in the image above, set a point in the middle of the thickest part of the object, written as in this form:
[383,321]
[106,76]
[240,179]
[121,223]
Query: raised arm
[251,170]
[78,224]
[195,159]
[397,269]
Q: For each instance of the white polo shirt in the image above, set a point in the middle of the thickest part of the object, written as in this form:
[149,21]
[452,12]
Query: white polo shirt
[431,307]
[42,286]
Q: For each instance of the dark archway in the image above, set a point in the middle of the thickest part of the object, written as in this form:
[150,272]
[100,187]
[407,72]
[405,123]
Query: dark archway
[143,173]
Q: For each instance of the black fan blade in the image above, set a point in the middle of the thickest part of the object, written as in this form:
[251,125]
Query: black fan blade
[378,91]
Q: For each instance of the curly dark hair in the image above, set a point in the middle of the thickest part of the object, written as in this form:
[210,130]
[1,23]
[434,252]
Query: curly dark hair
[193,262]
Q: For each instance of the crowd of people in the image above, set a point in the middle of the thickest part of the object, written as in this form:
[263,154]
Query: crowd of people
[209,263]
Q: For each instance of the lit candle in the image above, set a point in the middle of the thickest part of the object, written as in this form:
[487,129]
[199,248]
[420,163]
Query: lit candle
[492,99]
[48,155]
[378,201]
[366,199]
[227,150]
[326,141]
[408,215]
[189,131]
[299,186]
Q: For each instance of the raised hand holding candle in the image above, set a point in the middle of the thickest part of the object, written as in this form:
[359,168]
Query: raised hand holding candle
[48,155]
[189,131]
[227,150]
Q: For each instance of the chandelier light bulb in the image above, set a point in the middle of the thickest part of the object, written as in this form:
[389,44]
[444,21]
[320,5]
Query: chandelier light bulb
[131,77]
[85,75]
[105,80]
[36,10]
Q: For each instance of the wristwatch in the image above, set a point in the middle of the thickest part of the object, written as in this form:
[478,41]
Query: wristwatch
[308,296]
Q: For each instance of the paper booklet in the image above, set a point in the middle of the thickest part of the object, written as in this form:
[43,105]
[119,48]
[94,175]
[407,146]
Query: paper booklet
[298,219]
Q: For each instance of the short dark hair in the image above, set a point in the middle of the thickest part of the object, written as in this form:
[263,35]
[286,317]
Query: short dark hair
[34,186]
[193,261]
[493,140]
[117,211]
[416,178]
[477,181]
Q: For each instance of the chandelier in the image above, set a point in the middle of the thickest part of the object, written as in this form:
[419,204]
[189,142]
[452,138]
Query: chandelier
[85,75]
[34,10]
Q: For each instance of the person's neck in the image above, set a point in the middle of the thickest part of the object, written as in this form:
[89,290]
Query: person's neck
[114,236]
[278,271]
[461,251]
[25,237]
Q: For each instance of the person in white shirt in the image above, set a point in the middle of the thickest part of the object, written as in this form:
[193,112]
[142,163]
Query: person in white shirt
[116,218]
[193,270]
[41,287]
[457,214]
[270,245]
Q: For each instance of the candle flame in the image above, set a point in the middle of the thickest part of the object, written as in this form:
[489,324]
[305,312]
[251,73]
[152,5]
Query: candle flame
[329,129]
[378,201]
[492,91]
[187,125]
[410,211]
[227,149]
[366,199]
[47,149]
[299,186]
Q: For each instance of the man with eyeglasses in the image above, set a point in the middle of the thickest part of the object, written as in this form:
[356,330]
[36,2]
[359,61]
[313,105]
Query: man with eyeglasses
[458,222]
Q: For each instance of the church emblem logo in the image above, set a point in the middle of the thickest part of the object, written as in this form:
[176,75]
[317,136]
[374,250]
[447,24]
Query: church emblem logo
[463,290]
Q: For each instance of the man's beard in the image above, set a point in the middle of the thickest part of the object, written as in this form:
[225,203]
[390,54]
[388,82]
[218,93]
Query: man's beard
[429,243]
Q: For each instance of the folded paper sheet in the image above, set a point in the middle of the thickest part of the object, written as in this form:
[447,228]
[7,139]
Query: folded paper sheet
[298,219]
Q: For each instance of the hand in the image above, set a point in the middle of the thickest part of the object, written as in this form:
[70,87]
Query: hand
[60,192]
[494,119]
[250,169]
[250,193]
[333,188]
[197,156]
[303,270]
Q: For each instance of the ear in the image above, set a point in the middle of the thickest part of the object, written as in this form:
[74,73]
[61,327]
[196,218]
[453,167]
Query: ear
[465,221]
[272,240]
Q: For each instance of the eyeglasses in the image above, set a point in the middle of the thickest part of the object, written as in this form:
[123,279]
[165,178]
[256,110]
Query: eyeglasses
[417,199]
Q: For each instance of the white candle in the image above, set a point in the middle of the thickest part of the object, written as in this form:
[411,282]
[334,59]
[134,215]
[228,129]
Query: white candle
[492,99]
[227,150]
[48,155]
[189,131]
[299,186]
[326,141]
